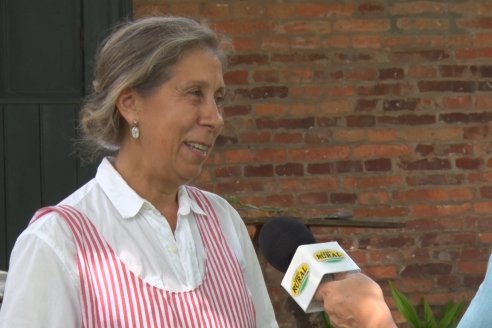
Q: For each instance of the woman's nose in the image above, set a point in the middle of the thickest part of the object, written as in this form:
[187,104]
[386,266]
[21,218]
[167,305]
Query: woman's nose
[212,115]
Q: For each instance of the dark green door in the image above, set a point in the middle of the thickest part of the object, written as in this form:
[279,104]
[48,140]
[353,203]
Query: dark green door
[46,52]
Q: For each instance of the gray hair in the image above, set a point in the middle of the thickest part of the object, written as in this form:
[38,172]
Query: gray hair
[139,55]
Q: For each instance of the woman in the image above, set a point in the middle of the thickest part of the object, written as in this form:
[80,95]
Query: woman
[135,246]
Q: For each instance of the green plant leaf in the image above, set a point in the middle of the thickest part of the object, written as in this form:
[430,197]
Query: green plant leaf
[326,320]
[405,307]
[450,315]
[429,320]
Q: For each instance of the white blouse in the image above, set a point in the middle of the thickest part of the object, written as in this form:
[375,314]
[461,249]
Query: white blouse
[42,288]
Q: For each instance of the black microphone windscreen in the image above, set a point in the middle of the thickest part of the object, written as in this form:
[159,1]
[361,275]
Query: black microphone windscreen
[279,238]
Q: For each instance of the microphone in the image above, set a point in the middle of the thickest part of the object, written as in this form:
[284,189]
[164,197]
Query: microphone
[289,246]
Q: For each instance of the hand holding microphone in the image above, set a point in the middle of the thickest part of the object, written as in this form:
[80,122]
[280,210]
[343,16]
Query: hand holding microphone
[289,246]
[355,301]
[351,300]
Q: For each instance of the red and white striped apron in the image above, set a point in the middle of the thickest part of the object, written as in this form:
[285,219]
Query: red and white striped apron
[113,296]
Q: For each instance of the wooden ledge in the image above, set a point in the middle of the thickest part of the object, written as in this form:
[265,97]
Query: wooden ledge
[338,221]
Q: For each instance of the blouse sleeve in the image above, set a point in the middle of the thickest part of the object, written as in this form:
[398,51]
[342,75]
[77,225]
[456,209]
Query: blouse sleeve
[41,288]
[478,313]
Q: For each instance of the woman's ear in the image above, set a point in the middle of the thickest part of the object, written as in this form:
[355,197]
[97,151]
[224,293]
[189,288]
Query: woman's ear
[126,105]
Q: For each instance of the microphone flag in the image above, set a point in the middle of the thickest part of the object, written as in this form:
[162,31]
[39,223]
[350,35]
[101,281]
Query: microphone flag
[311,264]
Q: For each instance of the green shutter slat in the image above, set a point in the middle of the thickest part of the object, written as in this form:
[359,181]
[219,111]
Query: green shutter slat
[3,222]
[41,54]
[22,167]
[99,18]
[58,158]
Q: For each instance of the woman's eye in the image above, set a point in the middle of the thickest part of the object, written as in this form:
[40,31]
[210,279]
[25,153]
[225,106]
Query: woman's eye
[219,100]
[197,93]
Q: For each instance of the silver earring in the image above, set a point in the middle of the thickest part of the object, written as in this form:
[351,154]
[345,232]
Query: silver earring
[135,130]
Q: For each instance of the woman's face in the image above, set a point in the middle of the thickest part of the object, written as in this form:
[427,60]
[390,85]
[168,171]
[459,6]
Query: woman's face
[181,119]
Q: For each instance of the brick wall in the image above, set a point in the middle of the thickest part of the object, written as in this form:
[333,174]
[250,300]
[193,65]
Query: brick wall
[379,108]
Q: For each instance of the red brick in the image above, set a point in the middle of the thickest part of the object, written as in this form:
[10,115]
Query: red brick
[381,272]
[361,74]
[337,41]
[258,170]
[242,26]
[382,135]
[430,55]
[304,26]
[280,10]
[302,110]
[431,41]
[454,70]
[266,76]
[380,212]
[236,77]
[466,163]
[370,182]
[424,134]
[448,85]
[228,171]
[301,123]
[256,137]
[247,59]
[374,198]
[276,43]
[422,270]
[417,23]
[289,169]
[339,91]
[263,92]
[232,111]
[439,210]
[317,154]
[237,156]
[251,10]
[378,165]
[400,41]
[422,71]
[313,198]
[309,92]
[269,109]
[366,41]
[361,25]
[288,138]
[473,53]
[365,151]
[476,132]
[482,37]
[400,104]
[391,74]
[347,135]
[483,207]
[343,198]
[477,23]
[244,44]
[483,101]
[305,43]
[275,155]
[371,8]
[323,10]
[297,75]
[417,7]
[485,238]
[457,102]
[467,267]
